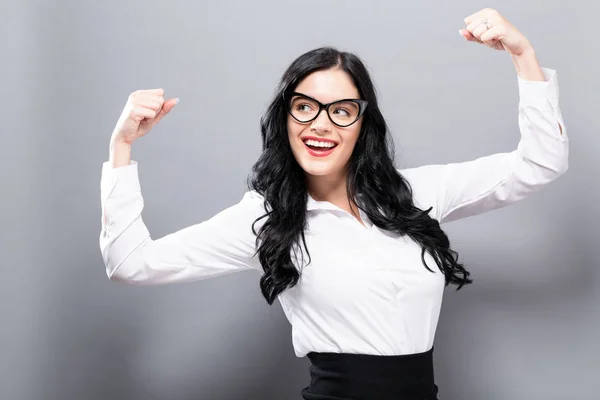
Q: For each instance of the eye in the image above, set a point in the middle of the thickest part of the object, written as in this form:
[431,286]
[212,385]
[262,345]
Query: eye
[303,107]
[342,111]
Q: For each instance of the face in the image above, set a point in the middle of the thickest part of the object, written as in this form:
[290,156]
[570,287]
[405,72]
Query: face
[321,147]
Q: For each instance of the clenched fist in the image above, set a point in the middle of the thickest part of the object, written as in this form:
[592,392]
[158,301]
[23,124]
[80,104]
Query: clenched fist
[490,28]
[143,110]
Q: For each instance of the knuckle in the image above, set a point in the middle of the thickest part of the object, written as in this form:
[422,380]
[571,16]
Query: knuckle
[135,95]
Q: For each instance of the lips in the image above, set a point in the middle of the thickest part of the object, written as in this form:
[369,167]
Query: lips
[319,147]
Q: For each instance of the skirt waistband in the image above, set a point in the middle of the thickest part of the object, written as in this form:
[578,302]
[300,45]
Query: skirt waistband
[360,376]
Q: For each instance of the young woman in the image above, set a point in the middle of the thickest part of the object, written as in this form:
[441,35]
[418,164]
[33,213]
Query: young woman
[351,246]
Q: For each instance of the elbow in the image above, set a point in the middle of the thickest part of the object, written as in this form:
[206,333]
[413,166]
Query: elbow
[562,165]
[127,265]
[132,270]
[116,276]
[555,171]
[120,275]
[549,169]
[129,273]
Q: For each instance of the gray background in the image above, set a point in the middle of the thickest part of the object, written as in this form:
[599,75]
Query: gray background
[527,329]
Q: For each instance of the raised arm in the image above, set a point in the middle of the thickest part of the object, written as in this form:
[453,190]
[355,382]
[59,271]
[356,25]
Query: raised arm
[464,189]
[223,244]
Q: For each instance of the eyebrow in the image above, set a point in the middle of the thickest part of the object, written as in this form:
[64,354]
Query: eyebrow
[312,98]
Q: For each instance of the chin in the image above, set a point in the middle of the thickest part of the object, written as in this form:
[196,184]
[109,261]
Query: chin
[318,172]
[330,165]
[313,169]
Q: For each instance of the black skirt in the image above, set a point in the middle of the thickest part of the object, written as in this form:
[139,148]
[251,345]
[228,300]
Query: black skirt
[336,376]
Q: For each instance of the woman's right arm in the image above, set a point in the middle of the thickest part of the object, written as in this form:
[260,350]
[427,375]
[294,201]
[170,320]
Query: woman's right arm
[223,244]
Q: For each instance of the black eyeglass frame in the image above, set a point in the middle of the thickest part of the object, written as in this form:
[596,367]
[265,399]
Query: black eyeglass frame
[362,106]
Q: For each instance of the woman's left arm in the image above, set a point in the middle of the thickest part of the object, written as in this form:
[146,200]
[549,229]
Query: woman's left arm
[464,189]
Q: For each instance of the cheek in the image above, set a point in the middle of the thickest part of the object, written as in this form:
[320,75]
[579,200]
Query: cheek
[293,130]
[351,138]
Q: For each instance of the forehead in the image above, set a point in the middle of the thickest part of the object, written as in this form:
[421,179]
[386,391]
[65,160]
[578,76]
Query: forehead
[328,85]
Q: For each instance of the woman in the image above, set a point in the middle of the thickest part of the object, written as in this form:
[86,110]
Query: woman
[350,246]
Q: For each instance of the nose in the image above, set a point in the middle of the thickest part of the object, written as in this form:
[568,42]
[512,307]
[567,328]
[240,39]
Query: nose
[321,124]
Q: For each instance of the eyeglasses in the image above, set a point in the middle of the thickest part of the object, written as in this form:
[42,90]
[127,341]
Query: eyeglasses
[342,113]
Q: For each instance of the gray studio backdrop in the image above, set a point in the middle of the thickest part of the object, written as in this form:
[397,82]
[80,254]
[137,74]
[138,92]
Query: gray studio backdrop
[528,327]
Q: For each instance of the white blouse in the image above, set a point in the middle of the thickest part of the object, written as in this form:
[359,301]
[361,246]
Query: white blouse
[365,290]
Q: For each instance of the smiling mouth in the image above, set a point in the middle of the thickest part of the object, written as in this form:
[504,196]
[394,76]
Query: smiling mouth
[319,146]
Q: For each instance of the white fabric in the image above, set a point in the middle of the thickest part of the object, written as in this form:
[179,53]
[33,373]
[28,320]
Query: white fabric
[366,290]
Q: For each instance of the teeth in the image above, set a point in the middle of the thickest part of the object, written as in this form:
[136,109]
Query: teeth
[316,143]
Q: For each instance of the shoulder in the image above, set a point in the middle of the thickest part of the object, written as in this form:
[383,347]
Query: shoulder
[252,199]
[241,216]
[252,203]
[252,195]
[247,209]
[426,182]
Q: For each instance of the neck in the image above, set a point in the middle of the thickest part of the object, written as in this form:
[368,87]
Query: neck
[332,189]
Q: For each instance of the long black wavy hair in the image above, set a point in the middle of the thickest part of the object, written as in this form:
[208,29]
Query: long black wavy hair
[386,197]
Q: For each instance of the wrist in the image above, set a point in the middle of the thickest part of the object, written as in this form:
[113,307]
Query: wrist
[527,53]
[114,144]
[119,153]
[527,65]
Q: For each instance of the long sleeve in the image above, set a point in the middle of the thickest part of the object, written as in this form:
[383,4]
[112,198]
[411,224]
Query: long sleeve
[460,190]
[220,245]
